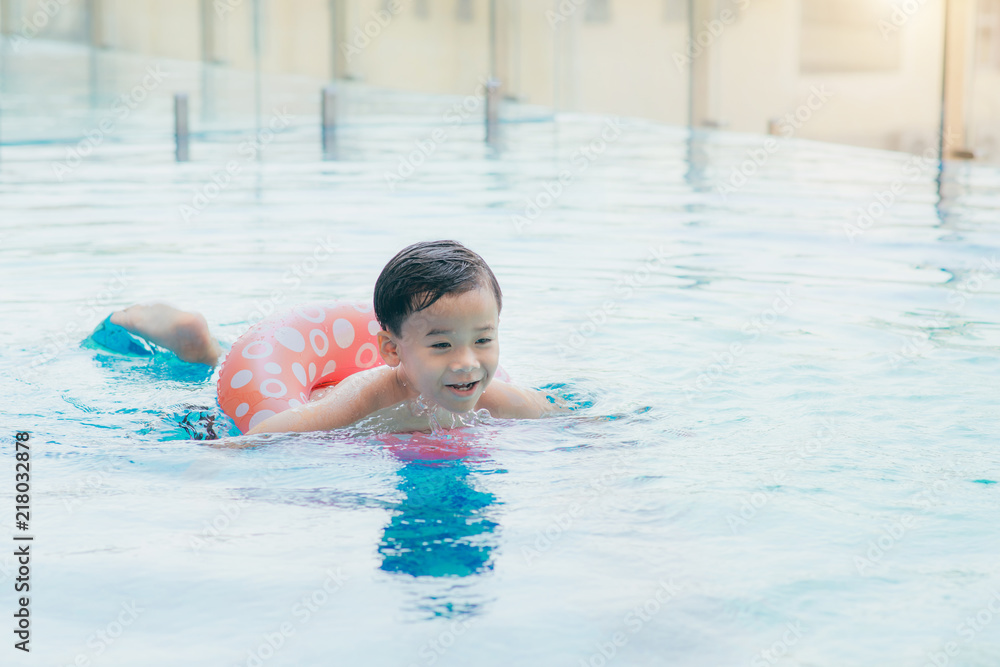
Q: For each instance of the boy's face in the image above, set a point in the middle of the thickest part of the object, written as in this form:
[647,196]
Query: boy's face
[448,352]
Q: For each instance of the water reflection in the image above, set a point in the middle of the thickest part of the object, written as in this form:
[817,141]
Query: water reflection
[442,525]
[698,161]
[440,528]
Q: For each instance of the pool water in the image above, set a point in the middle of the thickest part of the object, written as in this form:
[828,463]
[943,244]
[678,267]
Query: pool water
[786,451]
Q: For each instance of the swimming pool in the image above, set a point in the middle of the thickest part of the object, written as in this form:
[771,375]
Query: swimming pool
[790,458]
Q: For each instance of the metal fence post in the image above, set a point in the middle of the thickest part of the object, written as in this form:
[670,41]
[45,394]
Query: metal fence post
[328,118]
[182,130]
[492,109]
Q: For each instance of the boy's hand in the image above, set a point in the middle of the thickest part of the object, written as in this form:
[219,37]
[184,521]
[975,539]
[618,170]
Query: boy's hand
[356,397]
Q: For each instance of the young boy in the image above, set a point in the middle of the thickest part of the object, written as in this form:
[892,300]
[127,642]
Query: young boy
[439,307]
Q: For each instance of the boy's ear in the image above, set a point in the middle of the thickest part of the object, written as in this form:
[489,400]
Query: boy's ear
[388,349]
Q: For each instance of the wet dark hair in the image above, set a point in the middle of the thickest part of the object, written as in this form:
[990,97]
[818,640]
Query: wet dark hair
[424,272]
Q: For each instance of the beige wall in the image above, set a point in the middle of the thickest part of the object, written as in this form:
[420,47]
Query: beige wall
[168,28]
[626,66]
[756,74]
[984,95]
[765,64]
[435,54]
[984,114]
[898,109]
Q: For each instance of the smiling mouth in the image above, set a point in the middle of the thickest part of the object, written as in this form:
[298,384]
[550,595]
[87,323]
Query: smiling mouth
[464,389]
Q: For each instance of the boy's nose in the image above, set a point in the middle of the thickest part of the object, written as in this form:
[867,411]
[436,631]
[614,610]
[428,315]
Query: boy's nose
[465,360]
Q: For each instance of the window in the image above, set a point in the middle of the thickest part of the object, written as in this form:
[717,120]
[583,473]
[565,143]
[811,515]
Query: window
[675,11]
[597,11]
[988,33]
[735,7]
[845,36]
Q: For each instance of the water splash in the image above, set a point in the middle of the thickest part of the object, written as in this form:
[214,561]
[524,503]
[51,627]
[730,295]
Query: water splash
[442,419]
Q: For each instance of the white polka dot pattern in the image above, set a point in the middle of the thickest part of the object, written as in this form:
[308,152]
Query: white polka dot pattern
[291,338]
[312,314]
[241,379]
[273,388]
[366,357]
[275,365]
[263,349]
[343,333]
[324,343]
[259,417]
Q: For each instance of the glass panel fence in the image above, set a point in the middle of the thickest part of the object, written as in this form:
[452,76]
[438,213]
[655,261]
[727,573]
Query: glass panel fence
[861,72]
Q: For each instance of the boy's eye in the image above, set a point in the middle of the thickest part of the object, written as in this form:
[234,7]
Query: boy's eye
[443,345]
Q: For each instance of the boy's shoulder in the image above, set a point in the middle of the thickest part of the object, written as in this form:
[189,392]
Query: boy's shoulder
[378,387]
[504,400]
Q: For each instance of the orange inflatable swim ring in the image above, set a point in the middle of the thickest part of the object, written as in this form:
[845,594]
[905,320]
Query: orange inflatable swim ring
[279,361]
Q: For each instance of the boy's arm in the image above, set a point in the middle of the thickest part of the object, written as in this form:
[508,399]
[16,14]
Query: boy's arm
[508,401]
[356,397]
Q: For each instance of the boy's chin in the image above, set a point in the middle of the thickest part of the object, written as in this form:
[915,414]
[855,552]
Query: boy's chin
[460,406]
